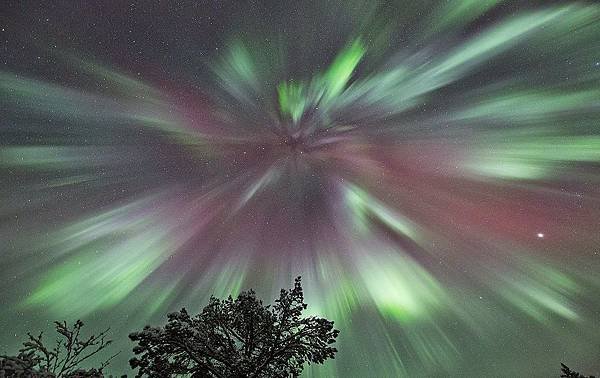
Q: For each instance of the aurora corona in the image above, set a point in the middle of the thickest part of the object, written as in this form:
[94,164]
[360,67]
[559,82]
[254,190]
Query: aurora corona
[431,169]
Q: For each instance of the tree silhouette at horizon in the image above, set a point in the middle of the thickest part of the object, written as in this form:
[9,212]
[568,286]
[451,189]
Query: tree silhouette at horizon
[237,338]
[568,373]
[62,360]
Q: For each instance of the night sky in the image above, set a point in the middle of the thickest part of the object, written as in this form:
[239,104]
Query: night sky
[430,168]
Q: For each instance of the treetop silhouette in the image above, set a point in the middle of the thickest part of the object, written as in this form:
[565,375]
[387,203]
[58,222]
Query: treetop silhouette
[63,360]
[237,338]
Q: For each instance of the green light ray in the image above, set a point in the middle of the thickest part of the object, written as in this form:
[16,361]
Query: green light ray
[116,251]
[364,205]
[459,13]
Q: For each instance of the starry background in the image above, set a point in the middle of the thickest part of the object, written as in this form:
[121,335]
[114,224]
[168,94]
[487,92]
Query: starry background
[430,168]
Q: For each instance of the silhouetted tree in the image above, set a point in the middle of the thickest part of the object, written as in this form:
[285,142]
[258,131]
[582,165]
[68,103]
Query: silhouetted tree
[568,373]
[236,338]
[63,360]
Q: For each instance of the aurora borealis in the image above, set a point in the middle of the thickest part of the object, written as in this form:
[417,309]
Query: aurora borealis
[430,168]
